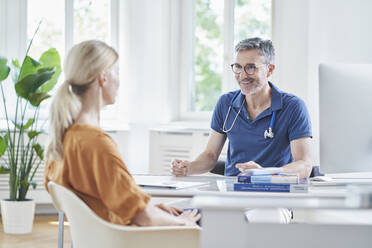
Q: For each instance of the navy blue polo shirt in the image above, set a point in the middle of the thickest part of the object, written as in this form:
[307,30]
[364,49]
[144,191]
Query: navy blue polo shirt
[246,138]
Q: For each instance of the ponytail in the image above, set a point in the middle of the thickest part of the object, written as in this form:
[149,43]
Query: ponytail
[63,111]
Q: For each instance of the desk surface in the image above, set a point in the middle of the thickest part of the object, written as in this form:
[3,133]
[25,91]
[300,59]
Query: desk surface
[222,215]
[222,186]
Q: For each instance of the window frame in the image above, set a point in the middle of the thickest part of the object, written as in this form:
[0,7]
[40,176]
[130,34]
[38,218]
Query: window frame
[69,23]
[187,73]
[69,34]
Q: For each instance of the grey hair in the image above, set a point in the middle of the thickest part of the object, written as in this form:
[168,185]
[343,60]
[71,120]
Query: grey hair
[264,47]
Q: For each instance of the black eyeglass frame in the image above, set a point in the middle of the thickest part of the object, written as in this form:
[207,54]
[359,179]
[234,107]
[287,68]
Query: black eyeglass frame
[249,70]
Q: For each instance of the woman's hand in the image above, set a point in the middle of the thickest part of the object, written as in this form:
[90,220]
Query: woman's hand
[190,217]
[170,210]
[249,165]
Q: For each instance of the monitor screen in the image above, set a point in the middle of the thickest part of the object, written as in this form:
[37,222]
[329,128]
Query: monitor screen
[345,102]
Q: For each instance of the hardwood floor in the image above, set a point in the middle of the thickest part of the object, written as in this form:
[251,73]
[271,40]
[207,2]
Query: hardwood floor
[44,235]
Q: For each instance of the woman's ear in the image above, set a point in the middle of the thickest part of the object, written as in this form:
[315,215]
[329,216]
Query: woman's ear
[102,78]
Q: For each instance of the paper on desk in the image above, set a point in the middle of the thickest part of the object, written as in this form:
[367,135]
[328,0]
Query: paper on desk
[165,182]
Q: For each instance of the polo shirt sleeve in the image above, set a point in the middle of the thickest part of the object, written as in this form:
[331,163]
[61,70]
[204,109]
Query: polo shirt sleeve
[217,117]
[299,122]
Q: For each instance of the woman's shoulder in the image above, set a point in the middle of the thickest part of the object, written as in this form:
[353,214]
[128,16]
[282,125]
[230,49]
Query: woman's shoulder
[88,136]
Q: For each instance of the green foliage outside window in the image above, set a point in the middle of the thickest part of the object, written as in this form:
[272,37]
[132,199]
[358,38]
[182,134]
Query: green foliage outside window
[252,18]
[207,67]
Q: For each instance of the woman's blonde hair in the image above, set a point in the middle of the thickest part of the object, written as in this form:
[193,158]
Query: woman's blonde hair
[84,62]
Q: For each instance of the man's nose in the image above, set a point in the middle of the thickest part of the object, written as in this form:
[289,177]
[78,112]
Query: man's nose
[243,74]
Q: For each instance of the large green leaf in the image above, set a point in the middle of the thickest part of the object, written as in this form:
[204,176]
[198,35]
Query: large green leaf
[29,66]
[36,98]
[31,83]
[4,68]
[4,170]
[2,146]
[39,150]
[25,126]
[6,137]
[29,123]
[33,134]
[51,58]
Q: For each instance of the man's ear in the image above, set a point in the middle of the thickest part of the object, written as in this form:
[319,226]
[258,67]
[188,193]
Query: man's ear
[102,78]
[271,70]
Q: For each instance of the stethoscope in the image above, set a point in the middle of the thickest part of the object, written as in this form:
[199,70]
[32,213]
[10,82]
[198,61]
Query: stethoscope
[268,134]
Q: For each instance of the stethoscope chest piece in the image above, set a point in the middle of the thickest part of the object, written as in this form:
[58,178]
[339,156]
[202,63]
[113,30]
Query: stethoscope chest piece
[269,134]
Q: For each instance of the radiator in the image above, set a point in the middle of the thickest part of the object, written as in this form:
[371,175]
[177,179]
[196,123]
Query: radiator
[184,144]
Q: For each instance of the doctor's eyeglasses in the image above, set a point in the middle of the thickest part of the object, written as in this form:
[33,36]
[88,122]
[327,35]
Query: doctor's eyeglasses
[248,68]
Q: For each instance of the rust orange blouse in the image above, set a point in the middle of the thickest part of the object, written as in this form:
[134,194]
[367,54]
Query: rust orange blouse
[93,169]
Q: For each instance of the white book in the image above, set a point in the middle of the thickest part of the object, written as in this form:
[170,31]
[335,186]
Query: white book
[264,171]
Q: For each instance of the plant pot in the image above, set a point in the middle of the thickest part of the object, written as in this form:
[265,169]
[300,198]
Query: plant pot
[17,216]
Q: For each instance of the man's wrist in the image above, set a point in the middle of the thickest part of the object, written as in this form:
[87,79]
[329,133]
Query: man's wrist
[188,169]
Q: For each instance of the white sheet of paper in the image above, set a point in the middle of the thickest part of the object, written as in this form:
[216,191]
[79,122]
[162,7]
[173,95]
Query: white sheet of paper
[165,182]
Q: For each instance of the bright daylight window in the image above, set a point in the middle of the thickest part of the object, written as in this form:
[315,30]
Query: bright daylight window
[251,18]
[91,20]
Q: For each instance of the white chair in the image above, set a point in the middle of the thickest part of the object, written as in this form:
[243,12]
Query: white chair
[89,230]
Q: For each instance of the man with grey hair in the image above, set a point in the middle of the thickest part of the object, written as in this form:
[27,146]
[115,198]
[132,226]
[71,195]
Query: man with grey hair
[265,126]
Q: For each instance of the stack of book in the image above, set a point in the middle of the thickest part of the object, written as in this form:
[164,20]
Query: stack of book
[277,182]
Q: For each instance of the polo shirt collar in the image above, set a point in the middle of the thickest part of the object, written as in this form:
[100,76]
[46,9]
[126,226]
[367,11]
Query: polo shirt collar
[276,99]
[238,100]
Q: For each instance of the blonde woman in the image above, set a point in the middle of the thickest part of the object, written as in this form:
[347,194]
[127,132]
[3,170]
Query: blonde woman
[83,158]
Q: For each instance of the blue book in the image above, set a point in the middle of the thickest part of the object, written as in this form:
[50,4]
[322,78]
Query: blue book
[279,179]
[272,187]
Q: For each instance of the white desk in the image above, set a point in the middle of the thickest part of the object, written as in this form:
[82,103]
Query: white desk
[224,224]
[337,193]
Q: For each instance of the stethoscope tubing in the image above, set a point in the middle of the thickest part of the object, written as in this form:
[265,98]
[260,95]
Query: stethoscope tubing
[267,134]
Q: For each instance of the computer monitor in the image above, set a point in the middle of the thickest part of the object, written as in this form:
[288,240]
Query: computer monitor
[345,102]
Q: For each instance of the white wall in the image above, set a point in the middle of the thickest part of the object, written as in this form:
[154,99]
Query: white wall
[147,43]
[310,32]
[12,20]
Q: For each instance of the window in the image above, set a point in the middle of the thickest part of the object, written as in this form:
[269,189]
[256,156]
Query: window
[68,22]
[51,32]
[217,27]
[208,54]
[90,16]
[252,19]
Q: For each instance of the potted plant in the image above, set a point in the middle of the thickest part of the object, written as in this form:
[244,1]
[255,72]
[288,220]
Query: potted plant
[31,81]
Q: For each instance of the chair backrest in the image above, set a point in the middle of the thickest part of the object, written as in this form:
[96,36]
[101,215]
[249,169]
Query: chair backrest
[89,230]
